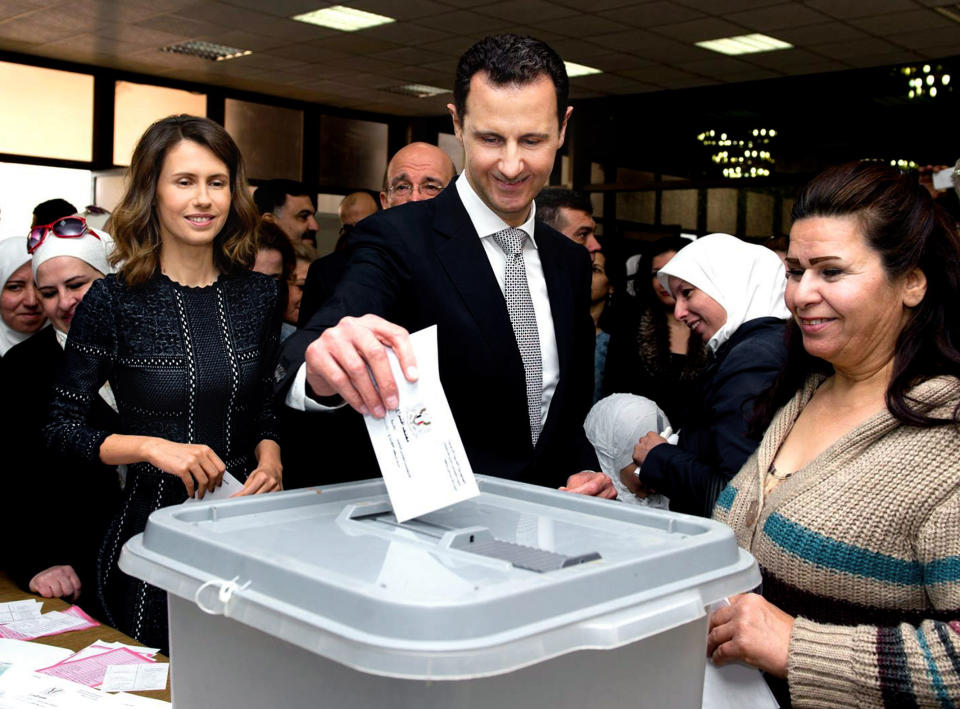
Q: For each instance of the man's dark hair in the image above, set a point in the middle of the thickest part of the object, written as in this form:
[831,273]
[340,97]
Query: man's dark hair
[511,59]
[50,211]
[552,199]
[272,194]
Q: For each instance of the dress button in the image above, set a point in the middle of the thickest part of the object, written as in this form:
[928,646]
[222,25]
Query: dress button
[752,514]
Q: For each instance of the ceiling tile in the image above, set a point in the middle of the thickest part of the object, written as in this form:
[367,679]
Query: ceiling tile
[280,8]
[577,50]
[409,55]
[858,8]
[580,25]
[754,74]
[610,83]
[858,47]
[652,46]
[819,34]
[142,36]
[106,11]
[657,74]
[652,14]
[714,7]
[243,40]
[901,22]
[598,5]
[183,27]
[451,46]
[777,16]
[406,33]
[718,68]
[33,32]
[306,52]
[220,13]
[581,93]
[464,22]
[618,62]
[699,30]
[524,11]
[928,38]
[355,43]
[406,10]
[904,56]
[787,59]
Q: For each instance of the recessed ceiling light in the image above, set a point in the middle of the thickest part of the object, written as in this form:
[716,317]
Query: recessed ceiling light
[745,44]
[347,19]
[418,90]
[207,50]
[574,69]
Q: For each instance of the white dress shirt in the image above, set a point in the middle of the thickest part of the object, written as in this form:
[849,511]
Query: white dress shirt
[487,223]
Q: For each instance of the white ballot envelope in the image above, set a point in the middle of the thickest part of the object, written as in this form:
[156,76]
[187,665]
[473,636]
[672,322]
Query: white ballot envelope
[418,447]
[228,486]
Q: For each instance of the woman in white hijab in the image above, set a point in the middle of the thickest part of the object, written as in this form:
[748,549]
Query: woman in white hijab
[20,312]
[57,558]
[730,293]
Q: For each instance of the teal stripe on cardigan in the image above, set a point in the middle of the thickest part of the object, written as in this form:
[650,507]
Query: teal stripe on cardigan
[942,570]
[832,554]
[725,500]
[935,677]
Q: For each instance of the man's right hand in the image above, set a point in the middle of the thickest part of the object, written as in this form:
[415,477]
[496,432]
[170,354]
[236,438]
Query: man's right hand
[338,362]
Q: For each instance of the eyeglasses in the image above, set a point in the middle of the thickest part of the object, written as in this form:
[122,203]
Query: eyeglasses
[66,228]
[427,189]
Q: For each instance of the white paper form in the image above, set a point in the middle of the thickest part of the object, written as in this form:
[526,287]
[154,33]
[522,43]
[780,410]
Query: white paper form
[20,689]
[418,447]
[19,610]
[228,486]
[135,678]
[31,656]
[50,623]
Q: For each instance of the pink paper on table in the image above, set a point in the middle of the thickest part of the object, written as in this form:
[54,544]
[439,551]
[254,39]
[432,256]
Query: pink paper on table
[53,623]
[90,670]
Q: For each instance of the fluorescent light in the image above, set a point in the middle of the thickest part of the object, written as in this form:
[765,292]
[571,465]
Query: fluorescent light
[574,69]
[347,19]
[418,90]
[207,50]
[745,44]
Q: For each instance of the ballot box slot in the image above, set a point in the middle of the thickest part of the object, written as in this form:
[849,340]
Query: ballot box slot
[479,541]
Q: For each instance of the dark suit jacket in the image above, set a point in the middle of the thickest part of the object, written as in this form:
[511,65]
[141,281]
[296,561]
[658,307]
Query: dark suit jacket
[322,278]
[422,264]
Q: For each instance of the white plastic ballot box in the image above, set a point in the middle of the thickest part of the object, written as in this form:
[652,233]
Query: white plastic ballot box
[521,597]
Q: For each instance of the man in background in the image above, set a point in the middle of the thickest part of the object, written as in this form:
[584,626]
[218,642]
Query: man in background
[288,204]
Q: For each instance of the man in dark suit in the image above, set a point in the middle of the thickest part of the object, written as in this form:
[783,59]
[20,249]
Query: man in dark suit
[444,261]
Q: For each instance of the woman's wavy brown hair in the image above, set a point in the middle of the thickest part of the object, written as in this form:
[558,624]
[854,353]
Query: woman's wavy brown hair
[134,222]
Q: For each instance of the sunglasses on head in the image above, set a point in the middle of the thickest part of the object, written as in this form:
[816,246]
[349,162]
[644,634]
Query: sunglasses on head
[65,228]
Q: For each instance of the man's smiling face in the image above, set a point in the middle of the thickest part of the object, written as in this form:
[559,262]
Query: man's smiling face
[510,136]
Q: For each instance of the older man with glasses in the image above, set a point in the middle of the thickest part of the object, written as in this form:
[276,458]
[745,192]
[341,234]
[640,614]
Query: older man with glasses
[418,171]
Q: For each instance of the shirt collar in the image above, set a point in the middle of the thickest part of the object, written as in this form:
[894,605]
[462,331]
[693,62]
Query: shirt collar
[484,221]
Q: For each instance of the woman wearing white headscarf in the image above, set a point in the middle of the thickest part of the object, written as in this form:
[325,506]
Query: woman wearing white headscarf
[56,558]
[730,293]
[20,312]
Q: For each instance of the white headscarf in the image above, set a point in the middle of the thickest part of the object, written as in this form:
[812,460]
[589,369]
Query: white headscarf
[13,255]
[87,248]
[747,280]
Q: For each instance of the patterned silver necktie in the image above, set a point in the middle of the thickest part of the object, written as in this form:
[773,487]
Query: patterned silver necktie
[523,320]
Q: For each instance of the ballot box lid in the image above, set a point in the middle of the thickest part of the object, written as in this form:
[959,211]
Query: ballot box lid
[509,578]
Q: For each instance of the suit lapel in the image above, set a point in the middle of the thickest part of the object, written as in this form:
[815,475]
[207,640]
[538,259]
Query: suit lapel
[560,286]
[466,263]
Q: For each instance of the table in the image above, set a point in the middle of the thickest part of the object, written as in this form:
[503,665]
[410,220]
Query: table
[75,639]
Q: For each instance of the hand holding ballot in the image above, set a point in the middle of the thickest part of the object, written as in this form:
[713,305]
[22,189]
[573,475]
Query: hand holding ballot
[350,359]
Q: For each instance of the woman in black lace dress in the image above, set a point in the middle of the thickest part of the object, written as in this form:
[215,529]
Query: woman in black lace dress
[186,335]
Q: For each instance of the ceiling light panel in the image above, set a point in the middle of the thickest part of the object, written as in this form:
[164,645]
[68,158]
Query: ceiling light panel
[418,90]
[745,44]
[207,50]
[346,19]
[574,69]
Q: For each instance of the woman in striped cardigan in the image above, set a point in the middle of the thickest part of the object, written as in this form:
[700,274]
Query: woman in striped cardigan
[851,504]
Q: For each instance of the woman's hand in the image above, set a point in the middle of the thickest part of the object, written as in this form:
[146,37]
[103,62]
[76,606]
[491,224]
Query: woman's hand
[645,445]
[56,582]
[753,630]
[268,475]
[196,465]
